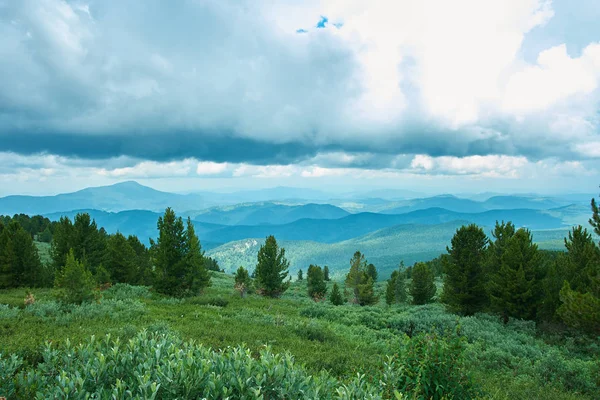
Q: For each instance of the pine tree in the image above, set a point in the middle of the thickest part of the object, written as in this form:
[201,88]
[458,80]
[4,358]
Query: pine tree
[119,260]
[7,259]
[145,272]
[372,272]
[390,289]
[75,281]
[357,274]
[584,260]
[88,242]
[27,267]
[62,242]
[169,252]
[243,283]
[400,285]
[197,276]
[514,287]
[271,269]
[595,220]
[422,287]
[300,277]
[336,296]
[46,235]
[326,273]
[580,310]
[359,281]
[465,281]
[317,288]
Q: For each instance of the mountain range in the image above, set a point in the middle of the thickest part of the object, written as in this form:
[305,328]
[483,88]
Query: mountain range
[232,226]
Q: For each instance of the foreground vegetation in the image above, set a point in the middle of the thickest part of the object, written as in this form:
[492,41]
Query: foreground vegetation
[489,319]
[292,339]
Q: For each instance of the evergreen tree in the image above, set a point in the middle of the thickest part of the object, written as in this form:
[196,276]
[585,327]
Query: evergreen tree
[465,282]
[595,220]
[62,242]
[75,281]
[514,287]
[7,258]
[271,269]
[584,260]
[197,276]
[169,252]
[317,288]
[372,272]
[27,267]
[88,243]
[300,277]
[336,296]
[120,260]
[357,274]
[580,310]
[502,233]
[400,285]
[243,283]
[143,262]
[326,273]
[390,289]
[422,287]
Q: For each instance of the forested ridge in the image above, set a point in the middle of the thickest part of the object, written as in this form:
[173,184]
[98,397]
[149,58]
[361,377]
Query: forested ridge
[430,324]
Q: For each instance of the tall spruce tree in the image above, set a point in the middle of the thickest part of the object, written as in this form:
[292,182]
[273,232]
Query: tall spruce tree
[317,288]
[143,261]
[359,281]
[271,269]
[62,242]
[169,252]
[465,281]
[7,258]
[197,276]
[27,267]
[336,297]
[422,287]
[514,288]
[300,276]
[390,289]
[120,260]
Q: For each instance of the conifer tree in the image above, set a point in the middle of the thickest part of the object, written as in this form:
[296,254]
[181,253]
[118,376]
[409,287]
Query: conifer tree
[390,289]
[317,288]
[400,285]
[75,281]
[197,276]
[143,261]
[300,277]
[243,283]
[271,269]
[169,252]
[326,273]
[422,287]
[357,274]
[336,295]
[27,267]
[62,242]
[514,287]
[119,260]
[7,258]
[372,272]
[465,281]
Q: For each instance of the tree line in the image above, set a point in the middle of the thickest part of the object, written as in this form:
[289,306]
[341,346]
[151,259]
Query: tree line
[174,264]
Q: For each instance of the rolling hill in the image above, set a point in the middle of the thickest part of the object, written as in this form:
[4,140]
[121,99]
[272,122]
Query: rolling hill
[384,248]
[266,213]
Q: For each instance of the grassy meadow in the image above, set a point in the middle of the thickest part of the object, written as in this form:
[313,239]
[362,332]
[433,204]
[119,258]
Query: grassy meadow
[511,361]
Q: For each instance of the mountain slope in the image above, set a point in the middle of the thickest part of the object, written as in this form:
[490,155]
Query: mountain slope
[385,248]
[351,226]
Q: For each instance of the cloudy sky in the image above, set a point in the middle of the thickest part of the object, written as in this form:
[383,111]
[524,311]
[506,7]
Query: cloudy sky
[436,96]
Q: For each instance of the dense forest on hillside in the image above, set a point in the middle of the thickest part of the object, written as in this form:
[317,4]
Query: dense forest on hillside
[491,317]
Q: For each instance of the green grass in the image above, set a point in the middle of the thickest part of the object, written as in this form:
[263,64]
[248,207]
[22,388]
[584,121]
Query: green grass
[509,362]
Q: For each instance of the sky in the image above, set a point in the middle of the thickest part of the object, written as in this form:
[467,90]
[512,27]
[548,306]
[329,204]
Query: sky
[431,96]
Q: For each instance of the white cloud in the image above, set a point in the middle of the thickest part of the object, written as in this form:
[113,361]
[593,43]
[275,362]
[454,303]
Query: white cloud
[150,169]
[211,168]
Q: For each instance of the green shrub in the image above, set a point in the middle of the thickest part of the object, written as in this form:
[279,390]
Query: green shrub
[432,367]
[123,291]
[8,312]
